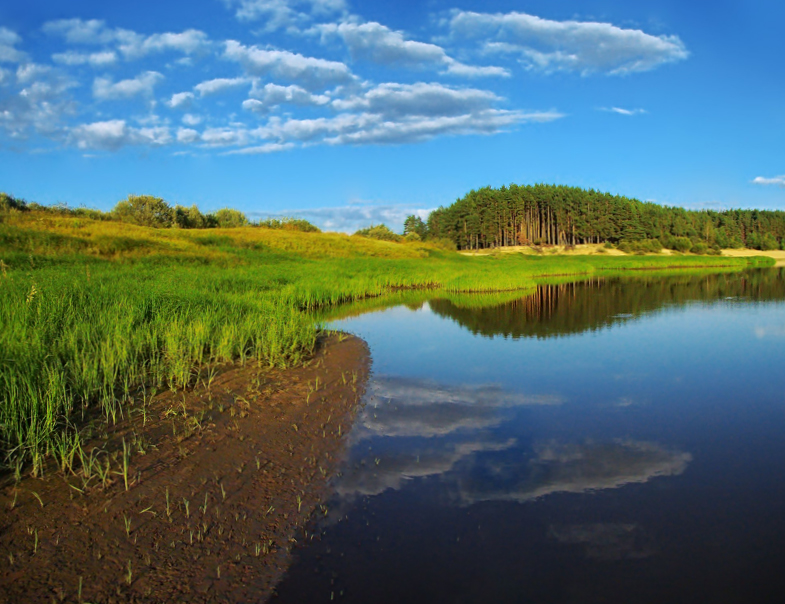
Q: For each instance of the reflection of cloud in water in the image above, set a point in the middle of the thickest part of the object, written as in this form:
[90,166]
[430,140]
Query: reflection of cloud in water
[369,478]
[573,468]
[417,428]
[770,331]
[606,541]
[409,407]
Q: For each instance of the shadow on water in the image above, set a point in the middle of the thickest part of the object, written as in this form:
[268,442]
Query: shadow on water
[496,460]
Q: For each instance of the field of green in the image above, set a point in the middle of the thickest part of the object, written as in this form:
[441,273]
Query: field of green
[93,310]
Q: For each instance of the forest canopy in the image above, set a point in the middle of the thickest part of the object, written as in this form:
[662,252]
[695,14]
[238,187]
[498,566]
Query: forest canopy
[560,215]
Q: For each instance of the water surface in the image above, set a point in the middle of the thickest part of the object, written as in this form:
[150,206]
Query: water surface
[614,440]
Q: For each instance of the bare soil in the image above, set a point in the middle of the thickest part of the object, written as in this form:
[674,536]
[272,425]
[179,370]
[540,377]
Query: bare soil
[222,483]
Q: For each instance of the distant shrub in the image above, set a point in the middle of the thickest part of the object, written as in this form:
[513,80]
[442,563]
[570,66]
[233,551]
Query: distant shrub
[379,231]
[643,246]
[681,244]
[227,218]
[608,245]
[699,247]
[289,224]
[144,210]
[412,236]
[189,218]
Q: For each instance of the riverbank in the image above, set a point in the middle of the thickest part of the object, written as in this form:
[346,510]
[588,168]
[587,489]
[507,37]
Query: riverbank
[196,495]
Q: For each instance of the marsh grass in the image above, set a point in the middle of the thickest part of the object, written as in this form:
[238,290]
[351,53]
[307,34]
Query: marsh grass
[96,313]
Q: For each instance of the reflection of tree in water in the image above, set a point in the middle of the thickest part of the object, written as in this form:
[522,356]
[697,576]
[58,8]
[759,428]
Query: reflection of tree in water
[596,303]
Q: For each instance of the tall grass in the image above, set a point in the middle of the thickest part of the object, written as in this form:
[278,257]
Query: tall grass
[92,310]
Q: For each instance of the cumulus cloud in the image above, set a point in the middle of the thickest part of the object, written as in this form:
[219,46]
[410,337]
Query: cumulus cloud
[285,13]
[581,46]
[187,135]
[38,103]
[310,72]
[269,96]
[218,85]
[377,43]
[96,59]
[131,44]
[114,134]
[105,89]
[8,51]
[778,181]
[189,119]
[181,100]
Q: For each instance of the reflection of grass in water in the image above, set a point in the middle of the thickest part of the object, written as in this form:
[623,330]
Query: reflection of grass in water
[91,310]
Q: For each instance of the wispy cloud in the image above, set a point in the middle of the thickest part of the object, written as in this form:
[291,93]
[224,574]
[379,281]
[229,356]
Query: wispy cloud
[96,59]
[581,46]
[622,111]
[775,180]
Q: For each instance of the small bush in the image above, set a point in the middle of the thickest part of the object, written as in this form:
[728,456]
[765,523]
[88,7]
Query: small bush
[227,218]
[682,244]
[144,210]
[289,224]
[381,232]
[700,247]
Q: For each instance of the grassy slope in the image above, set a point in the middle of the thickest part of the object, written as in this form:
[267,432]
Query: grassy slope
[91,310]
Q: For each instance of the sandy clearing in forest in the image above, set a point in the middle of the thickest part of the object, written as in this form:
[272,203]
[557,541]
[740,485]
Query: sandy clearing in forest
[778,255]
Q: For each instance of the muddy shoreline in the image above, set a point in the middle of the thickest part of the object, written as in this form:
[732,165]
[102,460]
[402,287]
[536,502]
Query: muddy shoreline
[221,484]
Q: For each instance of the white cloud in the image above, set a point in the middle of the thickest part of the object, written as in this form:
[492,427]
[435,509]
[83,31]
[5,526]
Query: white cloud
[776,180]
[181,100]
[96,59]
[219,85]
[262,149]
[223,137]
[131,44]
[8,41]
[143,84]
[189,119]
[582,46]
[39,102]
[114,134]
[79,31]
[396,100]
[622,111]
[310,72]
[272,95]
[187,135]
[285,13]
[377,43]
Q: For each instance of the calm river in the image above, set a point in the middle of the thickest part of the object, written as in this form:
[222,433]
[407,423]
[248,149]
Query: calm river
[613,440]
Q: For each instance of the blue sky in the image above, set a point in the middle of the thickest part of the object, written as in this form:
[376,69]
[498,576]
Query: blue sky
[348,112]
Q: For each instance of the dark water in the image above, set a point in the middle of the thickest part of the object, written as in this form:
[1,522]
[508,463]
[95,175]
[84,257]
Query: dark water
[617,440]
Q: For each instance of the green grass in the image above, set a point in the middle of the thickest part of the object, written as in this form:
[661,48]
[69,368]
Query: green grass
[92,310]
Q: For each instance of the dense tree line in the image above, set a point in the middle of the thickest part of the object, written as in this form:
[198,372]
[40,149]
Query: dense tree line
[561,215]
[155,212]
